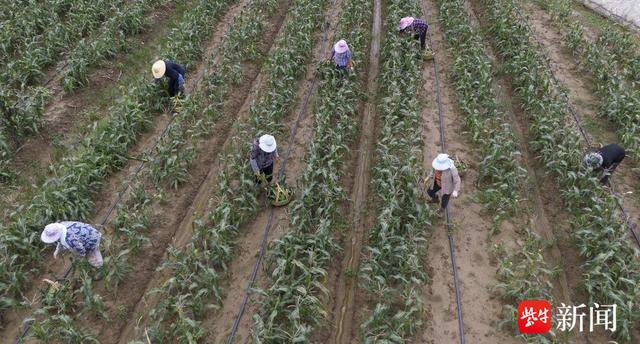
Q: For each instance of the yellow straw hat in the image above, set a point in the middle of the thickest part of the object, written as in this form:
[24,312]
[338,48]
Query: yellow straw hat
[158,69]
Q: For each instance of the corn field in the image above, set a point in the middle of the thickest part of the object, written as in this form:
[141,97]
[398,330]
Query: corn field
[358,255]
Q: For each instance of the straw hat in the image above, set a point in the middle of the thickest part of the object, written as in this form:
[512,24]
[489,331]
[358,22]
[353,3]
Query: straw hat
[267,143]
[52,232]
[405,22]
[341,46]
[158,69]
[442,162]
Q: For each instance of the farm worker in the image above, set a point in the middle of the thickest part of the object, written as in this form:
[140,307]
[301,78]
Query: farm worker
[445,179]
[263,154]
[80,238]
[341,54]
[604,160]
[171,70]
[418,26]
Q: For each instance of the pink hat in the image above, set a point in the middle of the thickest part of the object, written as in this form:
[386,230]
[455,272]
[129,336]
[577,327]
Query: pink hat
[341,46]
[405,22]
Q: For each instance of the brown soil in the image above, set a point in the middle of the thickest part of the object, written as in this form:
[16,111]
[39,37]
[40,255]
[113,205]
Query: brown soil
[581,97]
[166,218]
[64,117]
[545,214]
[221,322]
[476,270]
[196,203]
[550,220]
[346,304]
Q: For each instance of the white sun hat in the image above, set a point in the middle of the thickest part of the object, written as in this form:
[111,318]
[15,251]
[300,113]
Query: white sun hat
[405,22]
[442,162]
[341,46]
[158,69]
[267,143]
[52,232]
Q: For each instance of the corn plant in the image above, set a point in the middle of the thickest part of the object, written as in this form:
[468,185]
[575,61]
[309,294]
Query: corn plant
[500,173]
[523,274]
[21,21]
[51,322]
[619,102]
[111,39]
[76,180]
[611,268]
[205,259]
[30,63]
[293,305]
[392,270]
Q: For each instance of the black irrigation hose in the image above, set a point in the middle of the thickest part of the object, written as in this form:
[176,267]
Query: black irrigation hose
[118,199]
[267,229]
[452,251]
[632,226]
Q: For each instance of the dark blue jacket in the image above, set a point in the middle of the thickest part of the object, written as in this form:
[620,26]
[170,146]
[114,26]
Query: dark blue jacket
[611,154]
[172,72]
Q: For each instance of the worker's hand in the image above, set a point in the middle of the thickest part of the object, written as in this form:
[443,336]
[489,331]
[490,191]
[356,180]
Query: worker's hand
[455,194]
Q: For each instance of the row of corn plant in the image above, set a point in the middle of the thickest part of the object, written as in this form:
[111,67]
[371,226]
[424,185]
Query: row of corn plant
[611,272]
[166,168]
[75,181]
[392,272]
[82,18]
[21,21]
[625,50]
[112,39]
[500,173]
[23,104]
[523,273]
[197,270]
[619,102]
[294,301]
[620,43]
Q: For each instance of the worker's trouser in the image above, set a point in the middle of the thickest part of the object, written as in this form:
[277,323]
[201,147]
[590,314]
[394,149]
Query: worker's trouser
[95,258]
[607,172]
[422,37]
[433,193]
[268,172]
[175,86]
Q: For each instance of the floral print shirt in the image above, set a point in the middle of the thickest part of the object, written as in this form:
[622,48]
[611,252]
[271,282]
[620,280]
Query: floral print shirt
[80,238]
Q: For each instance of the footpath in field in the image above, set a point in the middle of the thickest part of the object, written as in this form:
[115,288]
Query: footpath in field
[66,115]
[580,91]
[347,301]
[166,217]
[471,227]
[111,189]
[208,170]
[299,122]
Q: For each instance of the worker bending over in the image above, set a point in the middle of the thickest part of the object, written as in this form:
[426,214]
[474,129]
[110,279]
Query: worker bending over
[79,238]
[341,54]
[171,70]
[604,160]
[263,154]
[418,26]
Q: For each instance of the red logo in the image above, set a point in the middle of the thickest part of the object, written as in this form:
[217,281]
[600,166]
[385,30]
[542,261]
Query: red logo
[534,317]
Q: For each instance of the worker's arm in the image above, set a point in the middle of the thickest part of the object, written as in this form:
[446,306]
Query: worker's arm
[253,156]
[456,181]
[57,251]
